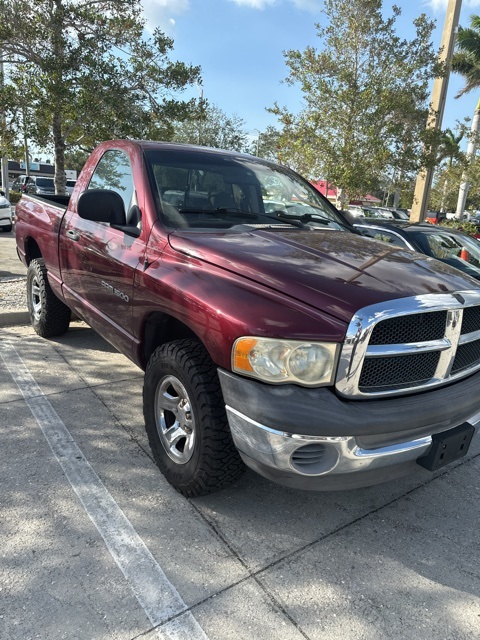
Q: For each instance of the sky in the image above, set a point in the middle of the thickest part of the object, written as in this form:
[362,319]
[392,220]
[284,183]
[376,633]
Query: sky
[239,45]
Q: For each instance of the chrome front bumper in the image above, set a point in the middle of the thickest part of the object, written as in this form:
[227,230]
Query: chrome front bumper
[312,439]
[315,455]
[338,459]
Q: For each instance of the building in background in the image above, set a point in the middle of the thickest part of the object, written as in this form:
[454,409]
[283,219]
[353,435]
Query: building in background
[17,171]
[330,192]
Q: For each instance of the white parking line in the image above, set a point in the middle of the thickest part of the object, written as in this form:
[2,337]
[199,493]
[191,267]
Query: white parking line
[157,596]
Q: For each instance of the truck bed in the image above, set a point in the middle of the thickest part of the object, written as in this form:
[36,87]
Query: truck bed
[60,201]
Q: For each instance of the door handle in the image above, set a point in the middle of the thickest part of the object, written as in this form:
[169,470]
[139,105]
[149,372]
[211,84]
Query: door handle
[73,235]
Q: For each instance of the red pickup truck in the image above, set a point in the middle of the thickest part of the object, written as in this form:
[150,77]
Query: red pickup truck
[270,332]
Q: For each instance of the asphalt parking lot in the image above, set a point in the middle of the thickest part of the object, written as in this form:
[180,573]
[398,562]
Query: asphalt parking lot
[96,544]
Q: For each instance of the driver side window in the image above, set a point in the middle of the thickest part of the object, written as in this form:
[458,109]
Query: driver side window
[115,172]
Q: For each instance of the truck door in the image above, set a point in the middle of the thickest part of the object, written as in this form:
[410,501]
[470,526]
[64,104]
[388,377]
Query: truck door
[98,261]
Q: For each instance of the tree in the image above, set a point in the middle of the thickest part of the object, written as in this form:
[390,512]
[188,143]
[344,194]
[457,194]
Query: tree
[20,97]
[449,149]
[365,95]
[444,192]
[75,159]
[211,127]
[90,73]
[266,145]
[466,62]
[8,145]
[473,177]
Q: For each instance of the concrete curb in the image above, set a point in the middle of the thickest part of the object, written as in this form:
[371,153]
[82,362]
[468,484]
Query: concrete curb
[10,317]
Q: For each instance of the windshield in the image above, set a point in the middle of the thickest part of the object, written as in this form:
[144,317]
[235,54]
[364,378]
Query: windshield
[213,191]
[45,182]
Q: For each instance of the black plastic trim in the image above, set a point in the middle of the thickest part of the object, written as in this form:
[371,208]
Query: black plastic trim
[304,411]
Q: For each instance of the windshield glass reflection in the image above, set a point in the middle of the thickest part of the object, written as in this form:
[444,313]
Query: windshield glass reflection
[202,190]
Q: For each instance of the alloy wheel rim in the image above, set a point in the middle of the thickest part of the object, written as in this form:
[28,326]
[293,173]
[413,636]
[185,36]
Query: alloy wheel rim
[35,298]
[174,419]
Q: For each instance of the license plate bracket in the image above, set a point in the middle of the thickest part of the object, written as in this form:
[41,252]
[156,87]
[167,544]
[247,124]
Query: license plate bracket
[447,447]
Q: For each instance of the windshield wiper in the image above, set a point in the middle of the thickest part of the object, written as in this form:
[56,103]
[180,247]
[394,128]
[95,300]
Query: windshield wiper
[295,221]
[320,219]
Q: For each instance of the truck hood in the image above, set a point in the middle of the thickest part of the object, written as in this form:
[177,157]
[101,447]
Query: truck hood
[335,271]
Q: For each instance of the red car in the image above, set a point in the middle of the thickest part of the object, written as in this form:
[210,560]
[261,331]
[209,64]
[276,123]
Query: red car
[271,333]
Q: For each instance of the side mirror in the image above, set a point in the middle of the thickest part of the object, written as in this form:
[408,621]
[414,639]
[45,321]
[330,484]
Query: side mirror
[101,205]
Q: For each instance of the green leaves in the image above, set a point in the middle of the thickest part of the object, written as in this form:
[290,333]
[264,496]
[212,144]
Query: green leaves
[88,73]
[208,125]
[466,59]
[365,92]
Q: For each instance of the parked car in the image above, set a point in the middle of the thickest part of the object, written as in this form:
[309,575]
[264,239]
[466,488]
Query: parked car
[355,212]
[40,186]
[385,212]
[447,245]
[69,186]
[435,217]
[398,214]
[6,223]
[20,183]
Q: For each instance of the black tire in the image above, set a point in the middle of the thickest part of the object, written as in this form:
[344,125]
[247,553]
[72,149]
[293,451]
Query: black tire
[7,229]
[182,399]
[48,315]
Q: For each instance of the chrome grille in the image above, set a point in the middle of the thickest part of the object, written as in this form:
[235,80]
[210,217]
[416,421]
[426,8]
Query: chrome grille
[394,372]
[415,328]
[410,344]
[471,320]
[467,355]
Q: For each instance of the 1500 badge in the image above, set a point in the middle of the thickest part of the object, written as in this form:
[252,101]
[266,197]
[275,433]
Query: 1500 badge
[115,291]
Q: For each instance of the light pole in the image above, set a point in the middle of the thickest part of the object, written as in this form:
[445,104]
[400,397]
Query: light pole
[200,106]
[257,141]
[437,106]
[4,158]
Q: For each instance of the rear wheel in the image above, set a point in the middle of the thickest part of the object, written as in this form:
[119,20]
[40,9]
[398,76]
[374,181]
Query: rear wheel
[48,315]
[186,421]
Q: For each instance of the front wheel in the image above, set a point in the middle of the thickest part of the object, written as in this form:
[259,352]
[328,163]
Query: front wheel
[186,421]
[48,315]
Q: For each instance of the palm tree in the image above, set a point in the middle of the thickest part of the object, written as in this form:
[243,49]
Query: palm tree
[466,62]
[449,149]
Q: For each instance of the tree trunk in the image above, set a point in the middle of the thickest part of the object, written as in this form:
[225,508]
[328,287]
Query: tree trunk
[25,143]
[59,146]
[3,154]
[58,44]
[471,150]
[341,197]
[444,194]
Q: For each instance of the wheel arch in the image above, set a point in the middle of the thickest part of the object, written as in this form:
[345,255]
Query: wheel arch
[32,250]
[160,328]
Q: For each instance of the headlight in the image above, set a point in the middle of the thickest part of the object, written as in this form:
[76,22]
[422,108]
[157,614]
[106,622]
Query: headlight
[274,360]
